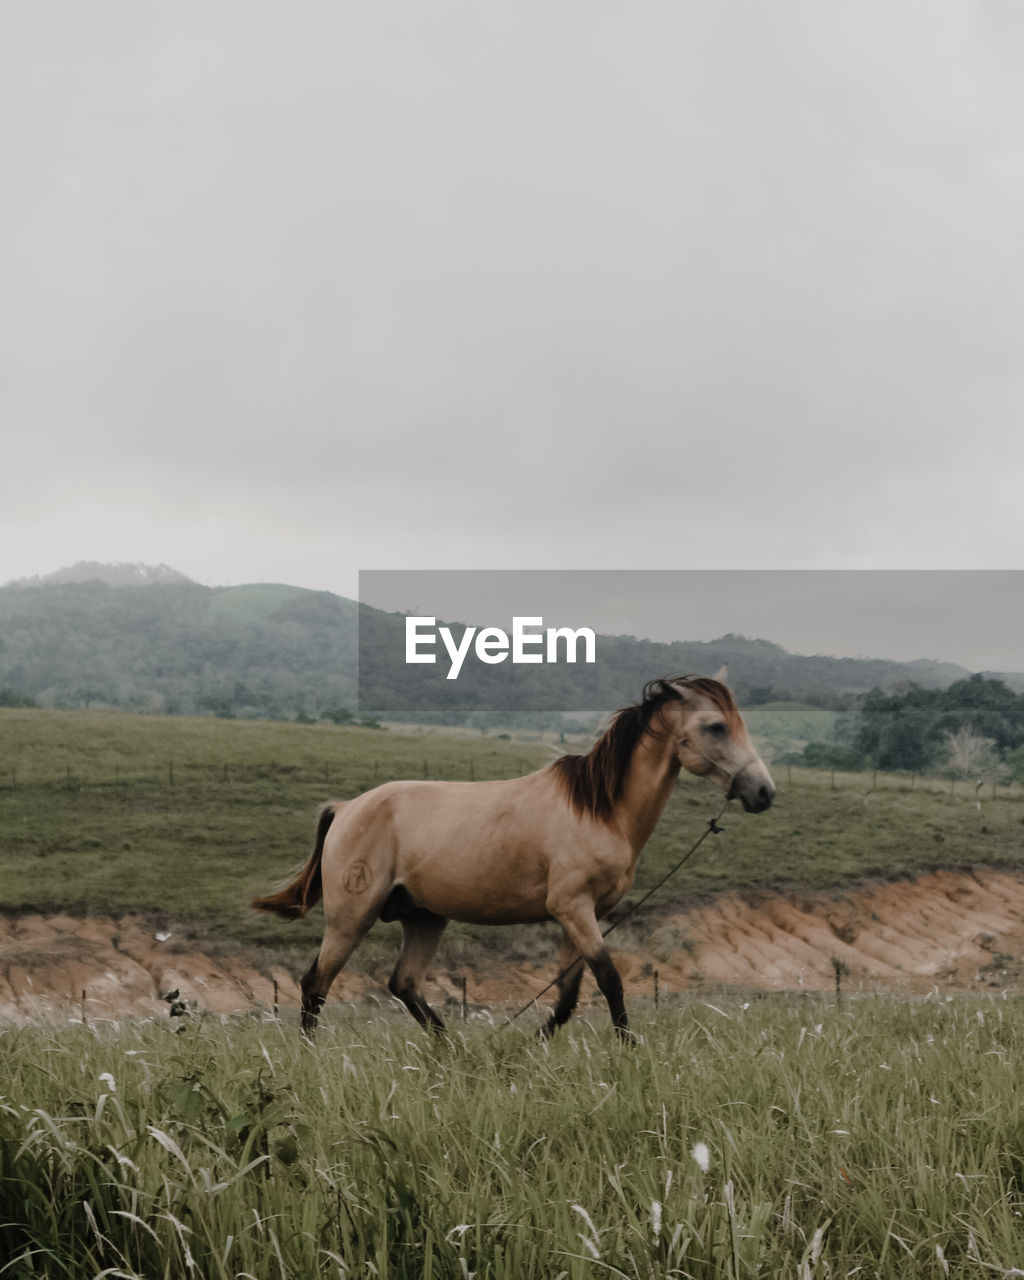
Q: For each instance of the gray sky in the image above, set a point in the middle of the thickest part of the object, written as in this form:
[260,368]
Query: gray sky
[294,291]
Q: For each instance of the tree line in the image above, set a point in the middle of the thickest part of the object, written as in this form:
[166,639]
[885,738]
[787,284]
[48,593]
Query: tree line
[281,652]
[973,728]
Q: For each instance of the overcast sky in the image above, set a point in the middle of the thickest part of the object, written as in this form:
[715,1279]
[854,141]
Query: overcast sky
[291,291]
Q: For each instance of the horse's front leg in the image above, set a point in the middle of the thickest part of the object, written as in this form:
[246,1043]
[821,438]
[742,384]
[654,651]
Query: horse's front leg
[579,921]
[570,973]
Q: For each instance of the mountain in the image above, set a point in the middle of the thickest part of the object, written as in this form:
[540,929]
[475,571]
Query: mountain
[178,647]
[122,574]
[150,639]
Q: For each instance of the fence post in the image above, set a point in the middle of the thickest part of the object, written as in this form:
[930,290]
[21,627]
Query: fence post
[655,988]
[463,995]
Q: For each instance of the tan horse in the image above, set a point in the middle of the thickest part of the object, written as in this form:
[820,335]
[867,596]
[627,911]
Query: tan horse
[559,844]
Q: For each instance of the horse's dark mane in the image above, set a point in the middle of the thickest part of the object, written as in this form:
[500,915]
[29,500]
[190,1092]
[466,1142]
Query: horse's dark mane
[593,783]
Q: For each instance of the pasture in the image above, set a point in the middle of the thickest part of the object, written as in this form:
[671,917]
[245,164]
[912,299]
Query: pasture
[106,812]
[873,1138]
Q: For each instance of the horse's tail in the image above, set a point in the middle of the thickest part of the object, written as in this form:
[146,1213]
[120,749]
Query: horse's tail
[295,898]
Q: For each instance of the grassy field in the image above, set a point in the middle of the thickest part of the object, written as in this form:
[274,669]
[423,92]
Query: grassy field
[190,817]
[873,1138]
[104,812]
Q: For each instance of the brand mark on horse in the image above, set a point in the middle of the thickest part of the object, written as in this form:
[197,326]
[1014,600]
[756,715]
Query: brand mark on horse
[357,877]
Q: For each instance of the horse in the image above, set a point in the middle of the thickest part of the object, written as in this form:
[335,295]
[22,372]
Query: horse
[560,844]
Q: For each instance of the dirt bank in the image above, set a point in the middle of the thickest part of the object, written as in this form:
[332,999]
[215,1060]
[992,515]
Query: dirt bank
[951,931]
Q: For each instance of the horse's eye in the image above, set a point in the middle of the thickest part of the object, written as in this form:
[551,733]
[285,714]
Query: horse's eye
[717,730]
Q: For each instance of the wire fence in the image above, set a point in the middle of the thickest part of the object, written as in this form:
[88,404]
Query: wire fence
[171,772]
[370,771]
[869,780]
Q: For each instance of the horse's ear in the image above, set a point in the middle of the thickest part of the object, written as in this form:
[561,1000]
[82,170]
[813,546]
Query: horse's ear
[722,674]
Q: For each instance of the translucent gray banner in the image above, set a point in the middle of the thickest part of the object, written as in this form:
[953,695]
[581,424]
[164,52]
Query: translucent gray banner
[454,641]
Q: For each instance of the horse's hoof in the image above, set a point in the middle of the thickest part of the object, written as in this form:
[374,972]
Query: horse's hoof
[626,1036]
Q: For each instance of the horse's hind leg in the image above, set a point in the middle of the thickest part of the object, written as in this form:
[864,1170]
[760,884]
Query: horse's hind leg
[339,941]
[570,974]
[422,932]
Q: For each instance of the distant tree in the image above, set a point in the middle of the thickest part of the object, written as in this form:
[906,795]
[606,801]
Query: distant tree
[911,729]
[893,731]
[903,744]
[8,698]
[968,755]
[1014,761]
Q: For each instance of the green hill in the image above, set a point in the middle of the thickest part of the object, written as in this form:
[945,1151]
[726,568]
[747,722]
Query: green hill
[179,648]
[164,644]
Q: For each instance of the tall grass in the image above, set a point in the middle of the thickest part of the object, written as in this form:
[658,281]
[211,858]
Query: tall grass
[876,1138]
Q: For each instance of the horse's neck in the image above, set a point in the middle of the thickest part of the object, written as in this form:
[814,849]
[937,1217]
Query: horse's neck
[650,777]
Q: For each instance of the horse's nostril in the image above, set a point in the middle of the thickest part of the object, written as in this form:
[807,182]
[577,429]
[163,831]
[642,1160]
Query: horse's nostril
[765,796]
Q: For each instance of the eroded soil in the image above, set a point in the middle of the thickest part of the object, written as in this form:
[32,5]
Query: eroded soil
[949,931]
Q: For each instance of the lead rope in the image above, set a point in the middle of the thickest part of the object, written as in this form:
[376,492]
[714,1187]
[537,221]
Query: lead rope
[712,829]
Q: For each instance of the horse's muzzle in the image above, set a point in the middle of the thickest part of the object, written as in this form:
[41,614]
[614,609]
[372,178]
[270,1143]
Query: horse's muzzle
[760,802]
[754,789]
